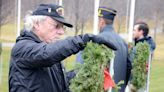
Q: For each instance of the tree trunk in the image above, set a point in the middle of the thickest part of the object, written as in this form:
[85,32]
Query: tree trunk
[76,29]
[119,25]
[155,27]
[163,27]
[77,16]
[0,10]
[82,28]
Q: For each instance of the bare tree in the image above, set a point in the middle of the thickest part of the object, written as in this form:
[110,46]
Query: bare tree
[7,11]
[157,16]
[151,10]
[79,11]
[33,4]
[0,30]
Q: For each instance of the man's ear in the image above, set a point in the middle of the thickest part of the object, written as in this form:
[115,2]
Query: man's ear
[36,25]
[102,21]
[141,31]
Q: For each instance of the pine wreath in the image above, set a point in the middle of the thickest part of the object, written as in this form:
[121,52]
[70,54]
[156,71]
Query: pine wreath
[139,65]
[90,76]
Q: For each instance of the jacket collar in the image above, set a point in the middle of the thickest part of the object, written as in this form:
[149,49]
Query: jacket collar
[142,39]
[28,35]
[107,28]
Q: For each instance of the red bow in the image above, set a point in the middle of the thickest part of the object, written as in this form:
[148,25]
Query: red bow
[108,81]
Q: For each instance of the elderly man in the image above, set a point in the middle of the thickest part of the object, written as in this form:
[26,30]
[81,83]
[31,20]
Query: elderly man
[35,64]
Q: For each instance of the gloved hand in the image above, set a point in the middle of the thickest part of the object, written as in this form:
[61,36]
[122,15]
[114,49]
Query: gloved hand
[97,39]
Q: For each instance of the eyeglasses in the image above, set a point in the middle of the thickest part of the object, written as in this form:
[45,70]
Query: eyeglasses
[58,25]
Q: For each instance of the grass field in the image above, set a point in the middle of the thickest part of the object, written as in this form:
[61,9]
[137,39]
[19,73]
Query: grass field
[157,72]
[5,63]
[7,33]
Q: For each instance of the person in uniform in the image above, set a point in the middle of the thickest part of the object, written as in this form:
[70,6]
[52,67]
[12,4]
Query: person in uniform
[122,64]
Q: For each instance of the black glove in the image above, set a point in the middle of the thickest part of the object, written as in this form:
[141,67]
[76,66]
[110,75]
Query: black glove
[97,39]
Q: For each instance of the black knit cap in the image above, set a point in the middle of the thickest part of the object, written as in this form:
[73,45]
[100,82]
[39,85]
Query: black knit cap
[52,10]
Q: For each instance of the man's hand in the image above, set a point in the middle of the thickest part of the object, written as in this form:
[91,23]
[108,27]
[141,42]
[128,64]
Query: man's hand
[98,39]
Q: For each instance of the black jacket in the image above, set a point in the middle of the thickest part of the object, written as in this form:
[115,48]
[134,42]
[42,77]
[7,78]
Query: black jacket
[35,66]
[149,40]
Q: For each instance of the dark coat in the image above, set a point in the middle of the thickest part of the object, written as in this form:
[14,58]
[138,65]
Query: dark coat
[149,40]
[35,66]
[122,65]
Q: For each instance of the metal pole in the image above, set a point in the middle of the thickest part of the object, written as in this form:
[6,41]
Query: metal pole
[131,22]
[95,24]
[127,15]
[19,17]
[1,63]
[149,68]
[0,16]
[0,46]
[60,2]
[1,67]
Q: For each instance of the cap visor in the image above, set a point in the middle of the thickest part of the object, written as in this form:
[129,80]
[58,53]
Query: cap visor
[61,20]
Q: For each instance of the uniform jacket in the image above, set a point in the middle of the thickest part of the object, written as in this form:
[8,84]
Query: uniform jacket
[122,65]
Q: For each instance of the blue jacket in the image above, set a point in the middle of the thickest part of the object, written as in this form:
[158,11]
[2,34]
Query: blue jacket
[122,65]
[36,66]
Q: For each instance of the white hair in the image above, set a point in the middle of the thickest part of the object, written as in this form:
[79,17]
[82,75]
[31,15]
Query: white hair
[31,19]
